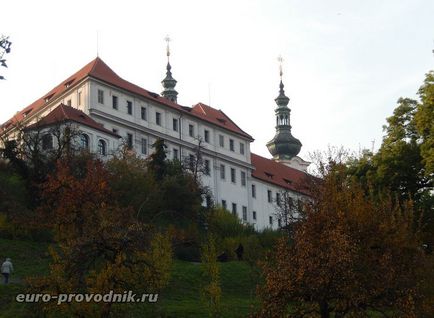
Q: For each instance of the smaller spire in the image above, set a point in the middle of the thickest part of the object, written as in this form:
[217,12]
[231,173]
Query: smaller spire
[169,82]
[282,100]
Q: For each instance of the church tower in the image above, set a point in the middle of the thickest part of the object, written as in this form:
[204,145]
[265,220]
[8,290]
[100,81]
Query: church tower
[284,147]
[169,82]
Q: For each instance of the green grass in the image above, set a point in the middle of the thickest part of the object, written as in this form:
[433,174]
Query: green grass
[181,298]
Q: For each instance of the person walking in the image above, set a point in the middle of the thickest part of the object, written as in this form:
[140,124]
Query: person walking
[7,269]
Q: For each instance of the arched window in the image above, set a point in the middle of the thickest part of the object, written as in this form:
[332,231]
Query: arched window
[84,141]
[47,142]
[102,148]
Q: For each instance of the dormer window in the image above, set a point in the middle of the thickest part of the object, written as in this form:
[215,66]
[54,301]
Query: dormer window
[48,97]
[269,175]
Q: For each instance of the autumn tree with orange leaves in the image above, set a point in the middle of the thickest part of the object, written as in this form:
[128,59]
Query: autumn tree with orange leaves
[350,255]
[100,246]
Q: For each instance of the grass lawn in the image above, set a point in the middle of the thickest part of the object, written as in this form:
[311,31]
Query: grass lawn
[181,298]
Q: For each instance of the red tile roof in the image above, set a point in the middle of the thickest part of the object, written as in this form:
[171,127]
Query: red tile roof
[217,117]
[98,69]
[63,113]
[280,175]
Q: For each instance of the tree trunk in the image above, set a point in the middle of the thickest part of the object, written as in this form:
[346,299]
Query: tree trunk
[324,309]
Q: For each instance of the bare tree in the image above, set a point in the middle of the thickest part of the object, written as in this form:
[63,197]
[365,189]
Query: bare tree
[288,210]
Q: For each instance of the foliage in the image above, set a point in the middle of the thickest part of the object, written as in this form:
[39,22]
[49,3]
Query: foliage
[100,245]
[222,224]
[211,290]
[5,48]
[404,162]
[350,255]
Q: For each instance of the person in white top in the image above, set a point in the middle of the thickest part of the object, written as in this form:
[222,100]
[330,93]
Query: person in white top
[7,269]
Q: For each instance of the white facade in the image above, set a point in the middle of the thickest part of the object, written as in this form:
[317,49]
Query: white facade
[140,121]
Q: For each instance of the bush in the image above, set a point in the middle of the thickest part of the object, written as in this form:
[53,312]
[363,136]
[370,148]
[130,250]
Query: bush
[224,224]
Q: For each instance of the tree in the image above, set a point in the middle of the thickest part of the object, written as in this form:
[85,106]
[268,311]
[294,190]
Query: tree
[287,211]
[5,48]
[404,162]
[157,160]
[350,255]
[101,246]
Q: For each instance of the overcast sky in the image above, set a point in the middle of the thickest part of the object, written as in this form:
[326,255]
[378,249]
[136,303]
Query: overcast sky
[346,62]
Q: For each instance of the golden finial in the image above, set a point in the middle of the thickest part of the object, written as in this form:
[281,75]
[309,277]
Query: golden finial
[167,39]
[280,60]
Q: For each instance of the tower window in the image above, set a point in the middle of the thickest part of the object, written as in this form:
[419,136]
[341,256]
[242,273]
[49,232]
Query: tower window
[191,130]
[175,124]
[206,135]
[143,113]
[231,145]
[100,96]
[158,118]
[115,102]
[129,107]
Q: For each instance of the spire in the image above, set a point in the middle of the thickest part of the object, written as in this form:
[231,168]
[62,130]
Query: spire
[283,146]
[169,82]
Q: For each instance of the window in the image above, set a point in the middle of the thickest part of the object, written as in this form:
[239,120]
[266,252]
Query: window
[278,199]
[231,145]
[143,113]
[243,178]
[206,135]
[115,102]
[234,208]
[279,222]
[224,205]
[191,161]
[68,102]
[158,118]
[222,172]
[129,140]
[270,220]
[233,179]
[253,191]
[208,201]
[129,107]
[47,142]
[79,99]
[207,167]
[254,215]
[100,96]
[244,213]
[84,142]
[175,124]
[221,141]
[269,195]
[144,146]
[175,153]
[241,148]
[102,148]
[191,130]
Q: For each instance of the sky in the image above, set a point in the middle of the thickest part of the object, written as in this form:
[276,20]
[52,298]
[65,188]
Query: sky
[346,62]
